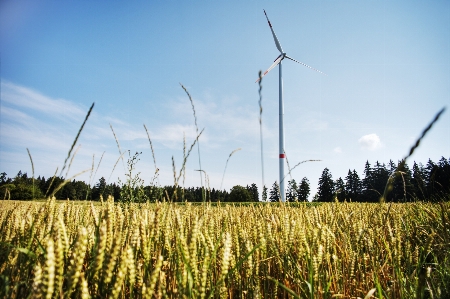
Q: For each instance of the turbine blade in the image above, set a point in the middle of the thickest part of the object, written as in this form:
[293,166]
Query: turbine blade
[276,62]
[277,43]
[305,65]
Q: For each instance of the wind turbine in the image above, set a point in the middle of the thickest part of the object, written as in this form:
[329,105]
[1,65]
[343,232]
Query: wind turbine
[281,106]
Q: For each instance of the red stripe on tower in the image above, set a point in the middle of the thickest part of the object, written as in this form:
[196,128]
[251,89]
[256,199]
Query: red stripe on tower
[282,156]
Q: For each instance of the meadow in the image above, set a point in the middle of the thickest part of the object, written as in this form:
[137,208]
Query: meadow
[335,250]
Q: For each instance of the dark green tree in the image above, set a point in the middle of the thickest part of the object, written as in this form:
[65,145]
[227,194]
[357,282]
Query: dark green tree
[368,183]
[353,186]
[374,182]
[303,190]
[339,187]
[431,170]
[292,190]
[3,178]
[274,194]
[69,191]
[419,181]
[402,187]
[253,190]
[22,188]
[99,189]
[264,194]
[239,194]
[326,186]
[442,177]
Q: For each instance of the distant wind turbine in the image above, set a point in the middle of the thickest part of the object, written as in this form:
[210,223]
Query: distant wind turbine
[281,109]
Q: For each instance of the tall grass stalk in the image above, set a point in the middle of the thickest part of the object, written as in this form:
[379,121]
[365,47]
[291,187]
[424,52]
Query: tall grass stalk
[98,165]
[51,182]
[88,187]
[207,186]
[118,146]
[69,154]
[226,164]
[32,168]
[76,137]
[115,164]
[71,159]
[176,177]
[153,154]
[186,156]
[260,128]
[196,130]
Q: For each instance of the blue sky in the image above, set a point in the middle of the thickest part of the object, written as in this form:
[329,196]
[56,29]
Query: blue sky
[387,66]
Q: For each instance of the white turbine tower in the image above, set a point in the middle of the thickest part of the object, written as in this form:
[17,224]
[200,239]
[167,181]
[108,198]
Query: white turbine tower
[281,109]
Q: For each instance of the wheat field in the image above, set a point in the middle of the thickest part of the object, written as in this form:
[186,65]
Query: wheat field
[337,250]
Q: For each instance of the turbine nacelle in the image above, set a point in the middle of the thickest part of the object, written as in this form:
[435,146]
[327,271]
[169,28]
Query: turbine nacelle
[281,55]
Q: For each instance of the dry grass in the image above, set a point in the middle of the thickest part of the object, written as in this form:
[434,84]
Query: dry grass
[341,250]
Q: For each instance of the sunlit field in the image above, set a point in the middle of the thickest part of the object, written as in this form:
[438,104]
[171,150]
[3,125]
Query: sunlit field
[336,250]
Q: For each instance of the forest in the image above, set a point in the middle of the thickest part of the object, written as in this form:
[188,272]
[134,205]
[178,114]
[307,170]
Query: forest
[430,182]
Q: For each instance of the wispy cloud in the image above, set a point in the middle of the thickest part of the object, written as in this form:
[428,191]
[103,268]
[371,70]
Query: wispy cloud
[28,98]
[228,117]
[370,142]
[172,135]
[45,125]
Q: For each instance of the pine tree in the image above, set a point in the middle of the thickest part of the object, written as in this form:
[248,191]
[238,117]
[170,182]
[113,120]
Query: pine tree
[264,194]
[419,181]
[99,189]
[353,186]
[326,186]
[253,190]
[340,189]
[292,191]
[431,170]
[403,188]
[303,190]
[274,194]
[443,176]
[381,178]
[374,181]
[368,183]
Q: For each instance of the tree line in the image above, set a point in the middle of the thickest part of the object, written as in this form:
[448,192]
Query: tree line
[24,187]
[430,182]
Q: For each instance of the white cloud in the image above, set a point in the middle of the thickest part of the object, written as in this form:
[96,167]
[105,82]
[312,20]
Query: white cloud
[370,142]
[337,150]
